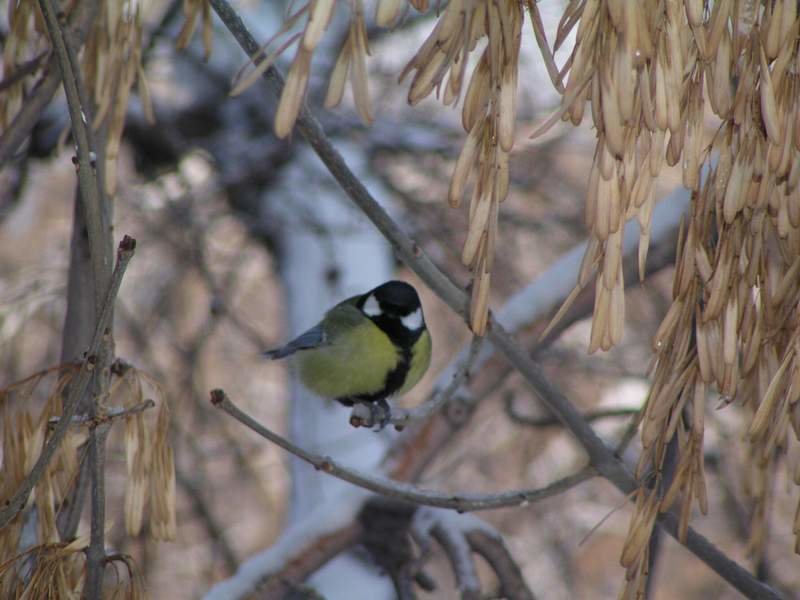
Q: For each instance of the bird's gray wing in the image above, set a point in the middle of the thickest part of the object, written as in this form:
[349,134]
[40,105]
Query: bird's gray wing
[312,338]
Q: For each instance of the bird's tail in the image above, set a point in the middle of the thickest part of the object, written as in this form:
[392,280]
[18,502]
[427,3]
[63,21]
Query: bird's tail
[310,339]
[278,353]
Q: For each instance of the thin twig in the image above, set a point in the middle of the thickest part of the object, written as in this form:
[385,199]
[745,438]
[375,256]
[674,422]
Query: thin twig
[399,490]
[460,536]
[461,560]
[108,416]
[22,71]
[601,456]
[194,491]
[13,505]
[39,375]
[550,421]
[492,548]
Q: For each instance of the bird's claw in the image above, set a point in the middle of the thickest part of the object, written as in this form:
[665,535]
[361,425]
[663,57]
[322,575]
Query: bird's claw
[380,413]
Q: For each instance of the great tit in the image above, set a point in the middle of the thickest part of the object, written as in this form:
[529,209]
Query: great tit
[366,349]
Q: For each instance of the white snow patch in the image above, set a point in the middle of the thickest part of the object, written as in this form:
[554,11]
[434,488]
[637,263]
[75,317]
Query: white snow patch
[325,519]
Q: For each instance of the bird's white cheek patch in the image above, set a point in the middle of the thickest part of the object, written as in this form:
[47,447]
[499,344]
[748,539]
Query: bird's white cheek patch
[413,321]
[371,307]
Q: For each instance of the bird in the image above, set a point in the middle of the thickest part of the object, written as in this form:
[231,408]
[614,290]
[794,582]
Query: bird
[365,349]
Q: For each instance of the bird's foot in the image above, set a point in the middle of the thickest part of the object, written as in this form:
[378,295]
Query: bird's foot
[381,413]
[371,414]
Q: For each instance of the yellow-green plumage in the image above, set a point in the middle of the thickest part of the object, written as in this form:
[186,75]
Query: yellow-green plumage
[420,361]
[342,368]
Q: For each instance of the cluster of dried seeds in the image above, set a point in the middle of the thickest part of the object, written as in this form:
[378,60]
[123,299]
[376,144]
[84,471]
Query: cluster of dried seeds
[148,458]
[111,65]
[652,74]
[21,45]
[151,474]
[440,65]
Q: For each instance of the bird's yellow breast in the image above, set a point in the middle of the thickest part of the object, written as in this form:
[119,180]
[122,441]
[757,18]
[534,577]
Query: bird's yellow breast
[420,360]
[354,364]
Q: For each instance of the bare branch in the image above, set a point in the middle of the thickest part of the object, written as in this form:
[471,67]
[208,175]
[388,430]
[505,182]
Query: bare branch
[99,243]
[396,489]
[493,549]
[531,421]
[13,505]
[90,191]
[460,536]
[302,549]
[110,415]
[461,561]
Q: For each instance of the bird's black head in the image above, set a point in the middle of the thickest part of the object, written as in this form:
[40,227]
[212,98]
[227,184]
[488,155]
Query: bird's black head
[395,300]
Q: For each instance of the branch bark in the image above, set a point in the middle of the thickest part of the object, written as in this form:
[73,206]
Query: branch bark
[96,213]
[397,490]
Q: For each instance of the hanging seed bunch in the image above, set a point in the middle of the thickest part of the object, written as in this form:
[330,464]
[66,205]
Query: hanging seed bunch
[651,73]
[148,458]
[53,570]
[305,28]
[22,50]
[440,66]
[111,66]
[150,473]
[112,63]
[488,116]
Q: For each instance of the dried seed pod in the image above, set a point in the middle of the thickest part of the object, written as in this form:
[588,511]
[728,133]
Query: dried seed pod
[612,119]
[464,165]
[506,107]
[387,12]
[477,97]
[694,12]
[358,71]
[766,408]
[338,77]
[319,17]
[293,93]
[769,110]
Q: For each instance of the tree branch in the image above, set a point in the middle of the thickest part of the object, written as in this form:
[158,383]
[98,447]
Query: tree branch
[492,548]
[460,536]
[13,505]
[301,550]
[400,490]
[532,421]
[95,213]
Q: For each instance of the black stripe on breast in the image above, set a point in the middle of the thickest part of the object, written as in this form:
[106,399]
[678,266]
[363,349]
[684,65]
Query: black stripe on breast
[404,339]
